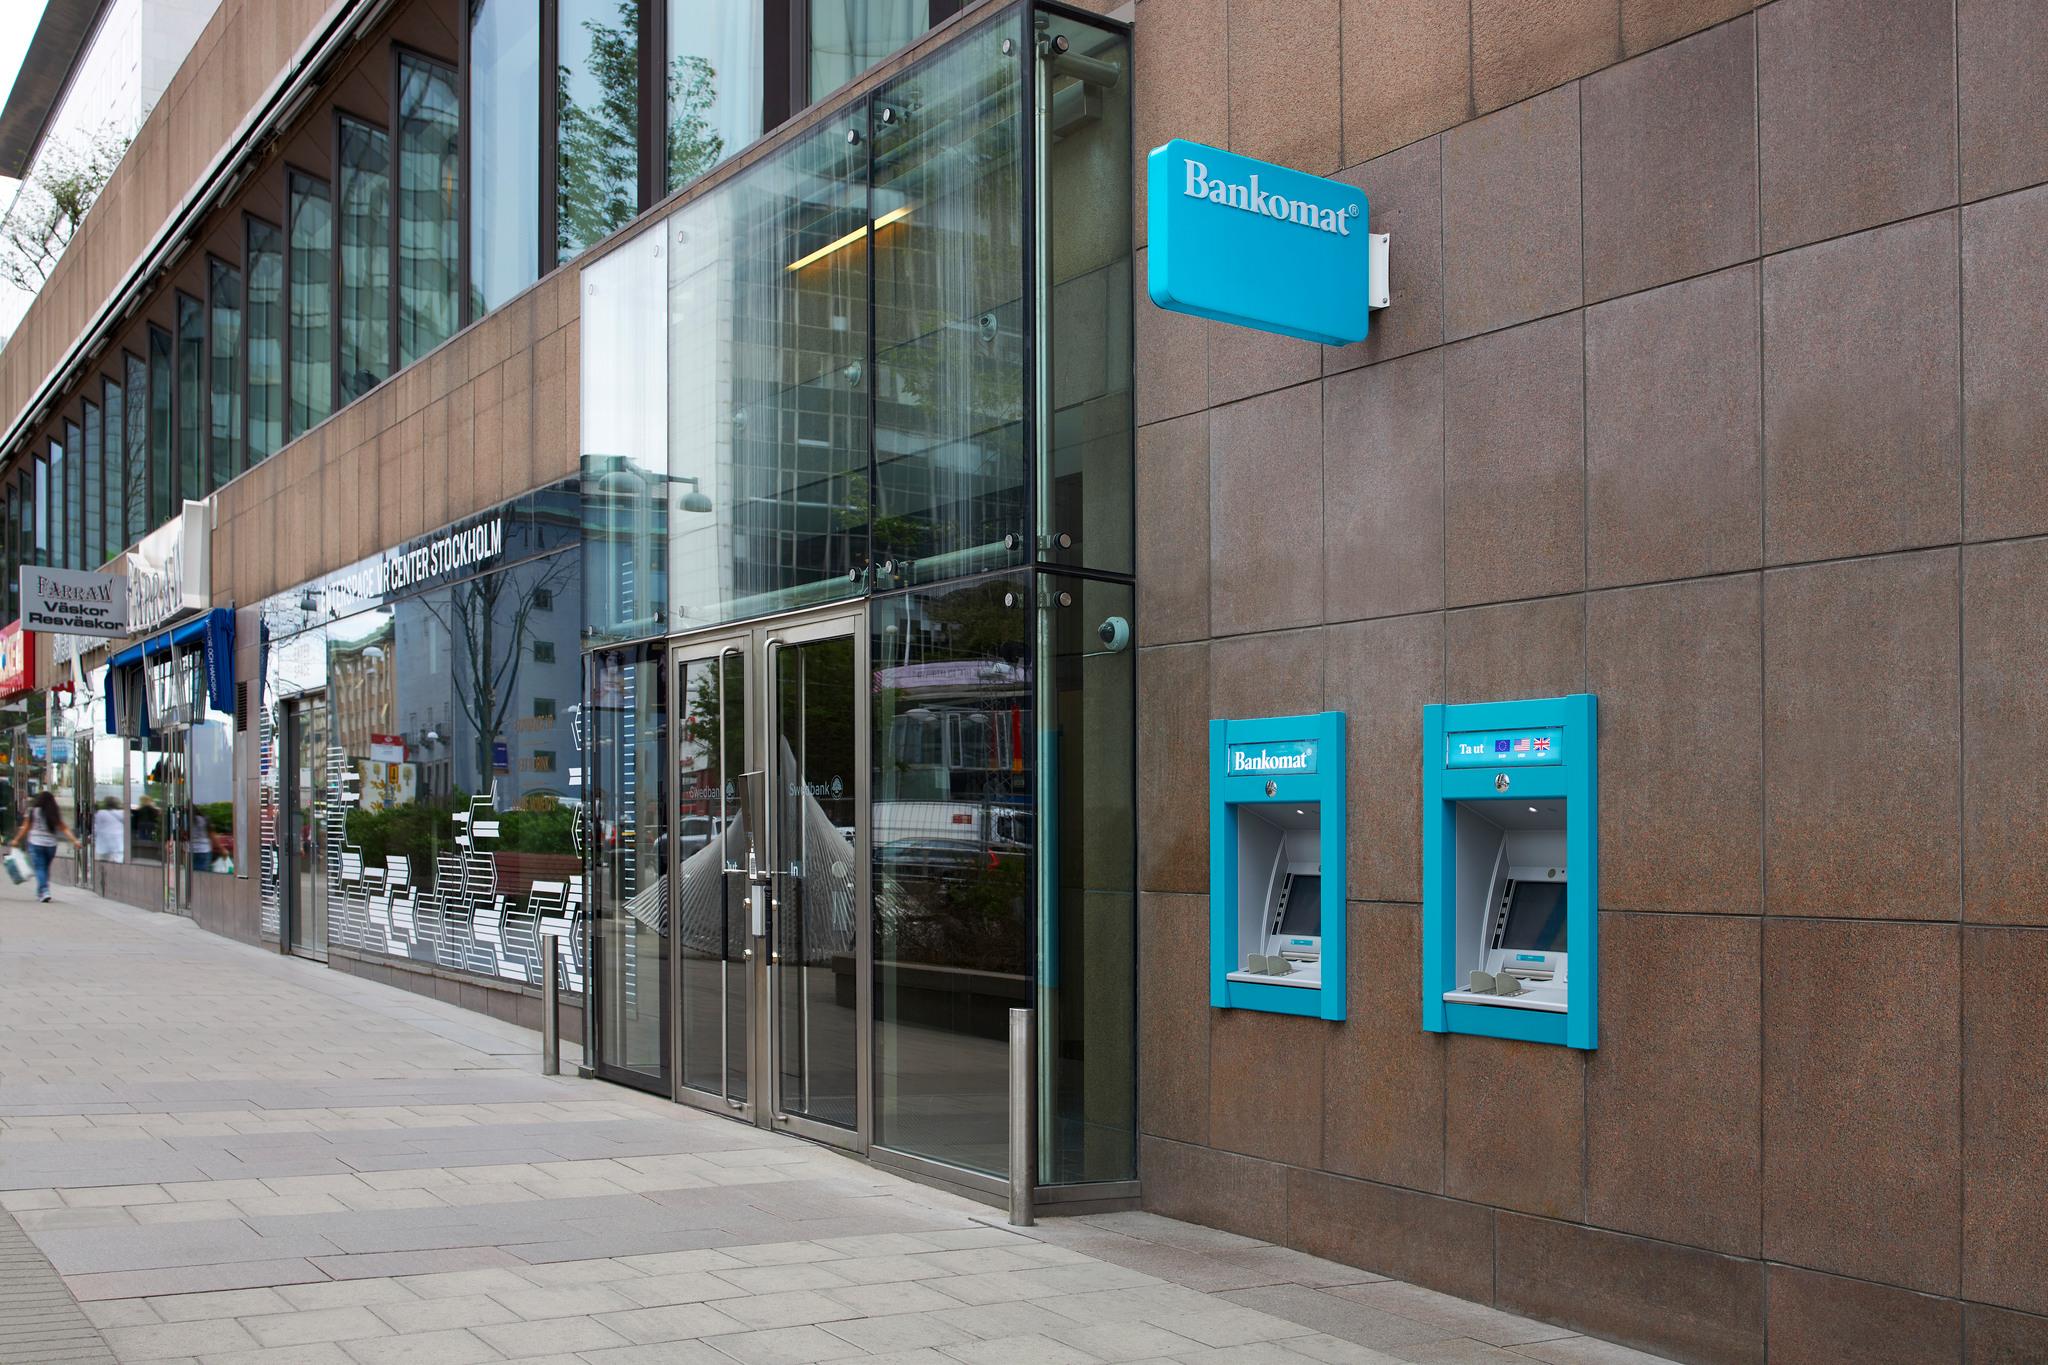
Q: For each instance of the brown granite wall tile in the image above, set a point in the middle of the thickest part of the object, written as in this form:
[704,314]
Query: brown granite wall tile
[1173,768]
[1266,512]
[1383,489]
[1522,649]
[1236,1193]
[1671,1300]
[1512,216]
[1861,657]
[1678,669]
[1832,1321]
[1173,355]
[1862,1099]
[2005,732]
[1275,674]
[1674,461]
[1380,674]
[1173,530]
[1266,1085]
[1673,1095]
[1286,100]
[1856,114]
[2005,1118]
[1407,71]
[2002,51]
[1173,1016]
[1993,1336]
[1383,1077]
[1444,1244]
[1515,1125]
[1404,198]
[1515,463]
[1652,23]
[2005,336]
[1191,40]
[1521,47]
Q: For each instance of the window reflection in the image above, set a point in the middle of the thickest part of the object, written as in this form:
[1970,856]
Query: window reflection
[365,189]
[224,427]
[312,303]
[849,36]
[504,199]
[952,839]
[714,84]
[597,127]
[266,339]
[429,126]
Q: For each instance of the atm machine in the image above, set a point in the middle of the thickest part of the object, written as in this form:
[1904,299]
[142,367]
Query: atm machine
[1510,867]
[1276,864]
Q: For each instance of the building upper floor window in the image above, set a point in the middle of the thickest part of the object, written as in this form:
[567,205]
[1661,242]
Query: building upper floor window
[363,202]
[224,371]
[310,272]
[264,254]
[504,150]
[429,119]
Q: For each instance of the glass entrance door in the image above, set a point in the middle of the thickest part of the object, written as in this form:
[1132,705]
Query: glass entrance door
[770,873]
[631,905]
[305,837]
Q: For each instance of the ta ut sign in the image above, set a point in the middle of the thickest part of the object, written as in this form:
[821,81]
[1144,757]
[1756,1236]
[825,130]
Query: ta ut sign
[1259,245]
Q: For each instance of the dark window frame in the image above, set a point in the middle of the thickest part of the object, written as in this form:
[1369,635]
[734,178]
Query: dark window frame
[293,170]
[340,114]
[237,455]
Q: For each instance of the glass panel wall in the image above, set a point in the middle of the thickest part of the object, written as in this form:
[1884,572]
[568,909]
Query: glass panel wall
[629,892]
[266,339]
[1085,509]
[62,518]
[849,36]
[135,488]
[224,376]
[163,466]
[953,831]
[114,509]
[597,121]
[429,212]
[504,151]
[364,185]
[311,272]
[92,472]
[626,485]
[712,842]
[768,402]
[715,89]
[949,242]
[191,373]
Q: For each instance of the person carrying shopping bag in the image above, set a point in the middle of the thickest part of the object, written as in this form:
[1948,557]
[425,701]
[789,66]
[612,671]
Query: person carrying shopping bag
[45,823]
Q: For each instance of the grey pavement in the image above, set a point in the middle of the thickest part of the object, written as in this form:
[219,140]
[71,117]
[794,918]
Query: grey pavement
[234,1158]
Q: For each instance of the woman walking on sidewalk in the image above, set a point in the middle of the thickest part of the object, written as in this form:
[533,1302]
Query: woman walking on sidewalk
[45,823]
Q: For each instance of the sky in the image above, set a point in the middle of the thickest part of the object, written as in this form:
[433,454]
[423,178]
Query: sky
[18,20]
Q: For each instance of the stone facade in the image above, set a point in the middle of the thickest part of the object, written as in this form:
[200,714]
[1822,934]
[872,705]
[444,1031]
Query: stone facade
[1711,386]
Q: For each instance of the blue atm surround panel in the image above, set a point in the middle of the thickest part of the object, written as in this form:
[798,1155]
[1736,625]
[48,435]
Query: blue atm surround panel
[1276,864]
[1511,870]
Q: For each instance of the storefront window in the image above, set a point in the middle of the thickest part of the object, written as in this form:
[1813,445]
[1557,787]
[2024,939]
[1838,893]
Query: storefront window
[93,471]
[312,303]
[626,486]
[429,216]
[191,368]
[597,128]
[365,203]
[714,84]
[163,467]
[224,290]
[953,834]
[266,339]
[849,36]
[504,150]
[115,496]
[436,821]
[135,472]
[949,315]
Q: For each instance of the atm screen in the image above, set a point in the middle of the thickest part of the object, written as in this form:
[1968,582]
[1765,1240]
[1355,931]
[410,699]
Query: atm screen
[1536,915]
[1304,913]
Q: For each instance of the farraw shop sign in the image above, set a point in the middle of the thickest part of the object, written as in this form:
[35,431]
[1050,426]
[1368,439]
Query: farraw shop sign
[169,575]
[74,602]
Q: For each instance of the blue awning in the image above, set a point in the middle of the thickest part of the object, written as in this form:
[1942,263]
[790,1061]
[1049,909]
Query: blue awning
[214,632]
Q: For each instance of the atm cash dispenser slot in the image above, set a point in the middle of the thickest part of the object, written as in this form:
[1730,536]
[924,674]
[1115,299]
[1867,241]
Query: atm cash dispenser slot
[1510,870]
[1277,864]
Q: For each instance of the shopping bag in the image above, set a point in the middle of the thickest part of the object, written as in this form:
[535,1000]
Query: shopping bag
[17,866]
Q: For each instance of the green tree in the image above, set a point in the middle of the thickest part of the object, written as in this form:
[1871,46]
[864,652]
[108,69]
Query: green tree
[53,202]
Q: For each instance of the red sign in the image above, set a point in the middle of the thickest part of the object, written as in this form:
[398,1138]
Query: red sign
[17,660]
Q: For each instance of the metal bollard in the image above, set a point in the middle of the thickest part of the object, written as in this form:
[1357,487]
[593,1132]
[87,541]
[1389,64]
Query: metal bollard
[550,1002]
[1023,1117]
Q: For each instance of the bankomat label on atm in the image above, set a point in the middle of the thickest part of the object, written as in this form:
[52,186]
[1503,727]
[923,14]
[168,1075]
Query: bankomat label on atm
[1493,748]
[1274,758]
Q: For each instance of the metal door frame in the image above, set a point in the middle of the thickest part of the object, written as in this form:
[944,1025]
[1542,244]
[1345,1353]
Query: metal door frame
[292,883]
[757,645]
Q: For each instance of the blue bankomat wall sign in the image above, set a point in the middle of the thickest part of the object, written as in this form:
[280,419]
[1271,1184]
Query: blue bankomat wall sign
[1276,864]
[1258,245]
[1511,870]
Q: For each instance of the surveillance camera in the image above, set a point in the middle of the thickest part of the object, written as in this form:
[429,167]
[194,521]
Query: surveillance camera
[1116,633]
